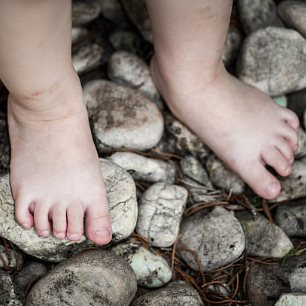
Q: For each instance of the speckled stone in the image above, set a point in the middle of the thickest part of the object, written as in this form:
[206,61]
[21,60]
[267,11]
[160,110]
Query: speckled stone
[122,117]
[94,277]
[10,294]
[84,12]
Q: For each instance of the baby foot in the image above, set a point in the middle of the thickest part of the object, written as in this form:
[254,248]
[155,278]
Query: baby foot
[242,125]
[55,172]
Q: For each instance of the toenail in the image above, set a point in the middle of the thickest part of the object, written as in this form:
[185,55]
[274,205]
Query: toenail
[271,189]
[45,233]
[103,232]
[60,235]
[73,236]
[291,160]
[26,225]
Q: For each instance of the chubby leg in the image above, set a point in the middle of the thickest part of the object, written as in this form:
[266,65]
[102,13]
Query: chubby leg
[242,125]
[55,173]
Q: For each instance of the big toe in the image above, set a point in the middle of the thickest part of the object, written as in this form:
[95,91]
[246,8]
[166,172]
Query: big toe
[98,224]
[23,215]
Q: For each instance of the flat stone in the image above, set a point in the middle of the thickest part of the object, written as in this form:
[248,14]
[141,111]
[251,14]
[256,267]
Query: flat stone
[160,211]
[272,59]
[94,277]
[122,40]
[293,13]
[293,185]
[84,12]
[215,235]
[231,46]
[77,33]
[223,177]
[178,139]
[138,13]
[144,168]
[14,257]
[152,271]
[263,238]
[291,218]
[292,299]
[29,273]
[121,195]
[10,294]
[122,117]
[255,14]
[179,295]
[130,70]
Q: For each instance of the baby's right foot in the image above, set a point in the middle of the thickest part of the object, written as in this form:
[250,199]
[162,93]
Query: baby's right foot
[242,125]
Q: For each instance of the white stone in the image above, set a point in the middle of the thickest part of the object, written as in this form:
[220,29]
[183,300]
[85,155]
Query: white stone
[292,299]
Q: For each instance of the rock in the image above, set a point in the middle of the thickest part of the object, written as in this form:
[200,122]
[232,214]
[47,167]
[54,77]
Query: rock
[215,235]
[178,139]
[137,12]
[144,168]
[121,117]
[151,270]
[224,178]
[193,169]
[293,185]
[10,294]
[291,218]
[76,33]
[121,195]
[272,59]
[4,146]
[292,299]
[281,100]
[263,238]
[125,41]
[94,277]
[14,255]
[301,151]
[130,70]
[88,57]
[179,295]
[84,12]
[29,273]
[293,13]
[297,103]
[112,11]
[231,46]
[160,211]
[297,280]
[255,14]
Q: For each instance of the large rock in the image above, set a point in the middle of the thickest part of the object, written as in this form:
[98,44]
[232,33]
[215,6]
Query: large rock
[215,235]
[94,277]
[255,14]
[292,299]
[273,60]
[10,294]
[160,211]
[130,70]
[84,12]
[293,14]
[293,185]
[144,168]
[263,238]
[151,270]
[121,195]
[122,117]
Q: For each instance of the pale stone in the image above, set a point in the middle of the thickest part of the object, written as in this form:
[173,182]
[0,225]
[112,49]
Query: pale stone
[77,33]
[292,299]
[84,12]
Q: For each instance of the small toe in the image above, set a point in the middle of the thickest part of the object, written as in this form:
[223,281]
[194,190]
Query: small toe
[291,118]
[41,219]
[98,224]
[292,136]
[75,217]
[59,221]
[285,148]
[275,159]
[23,215]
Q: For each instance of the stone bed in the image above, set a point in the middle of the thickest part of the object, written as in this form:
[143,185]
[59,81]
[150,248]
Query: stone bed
[186,230]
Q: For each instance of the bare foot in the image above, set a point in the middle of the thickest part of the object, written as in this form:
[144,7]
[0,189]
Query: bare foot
[55,172]
[242,125]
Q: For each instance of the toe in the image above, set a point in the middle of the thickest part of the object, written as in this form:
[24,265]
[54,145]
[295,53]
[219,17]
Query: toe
[75,216]
[41,219]
[291,118]
[59,221]
[274,158]
[285,148]
[291,135]
[98,224]
[23,215]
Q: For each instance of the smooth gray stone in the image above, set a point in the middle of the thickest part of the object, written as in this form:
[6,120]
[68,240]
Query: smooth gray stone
[10,294]
[293,13]
[160,211]
[94,277]
[144,168]
[84,12]
[215,235]
[122,40]
[28,273]
[256,14]
[263,238]
[122,117]
[121,196]
[292,299]
[273,60]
